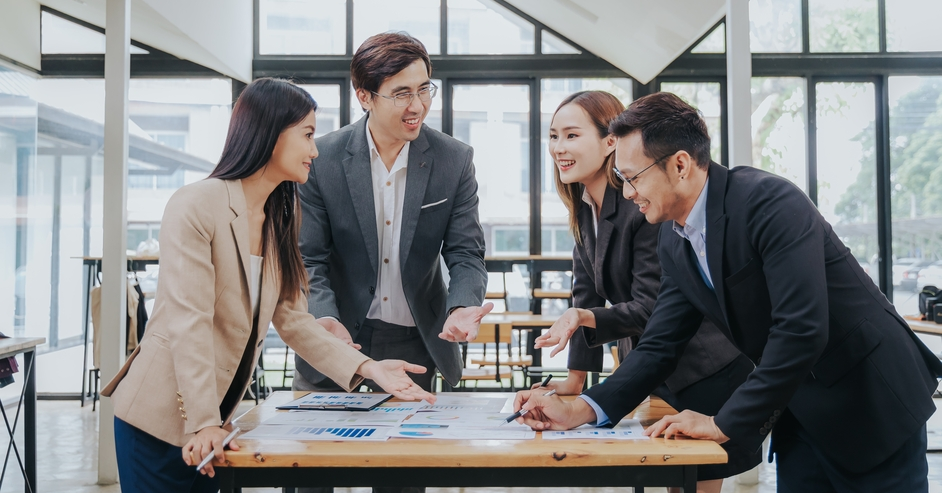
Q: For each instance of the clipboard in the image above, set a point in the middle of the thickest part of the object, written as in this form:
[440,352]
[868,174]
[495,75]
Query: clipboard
[336,401]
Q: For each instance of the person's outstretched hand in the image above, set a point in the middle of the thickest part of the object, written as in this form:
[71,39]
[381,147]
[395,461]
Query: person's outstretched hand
[463,323]
[392,376]
[559,334]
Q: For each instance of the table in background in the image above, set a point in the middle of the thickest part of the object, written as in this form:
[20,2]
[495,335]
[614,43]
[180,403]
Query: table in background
[465,463]
[533,323]
[27,346]
[92,267]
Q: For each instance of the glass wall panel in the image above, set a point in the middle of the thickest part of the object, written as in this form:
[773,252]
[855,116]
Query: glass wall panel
[420,18]
[63,36]
[778,128]
[715,42]
[912,25]
[843,26]
[846,160]
[433,119]
[484,27]
[327,97]
[552,45]
[556,238]
[302,27]
[916,179]
[495,120]
[775,26]
[705,96]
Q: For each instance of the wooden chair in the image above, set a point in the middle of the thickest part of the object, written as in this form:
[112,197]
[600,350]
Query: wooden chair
[495,368]
[516,356]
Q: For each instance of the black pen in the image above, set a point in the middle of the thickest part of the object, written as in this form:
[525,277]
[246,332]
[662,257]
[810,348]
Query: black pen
[525,411]
[546,380]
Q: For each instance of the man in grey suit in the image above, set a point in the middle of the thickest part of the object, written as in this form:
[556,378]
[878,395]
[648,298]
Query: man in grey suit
[388,198]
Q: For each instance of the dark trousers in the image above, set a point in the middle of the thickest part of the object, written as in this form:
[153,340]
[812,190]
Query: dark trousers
[707,396]
[147,464]
[380,340]
[802,467]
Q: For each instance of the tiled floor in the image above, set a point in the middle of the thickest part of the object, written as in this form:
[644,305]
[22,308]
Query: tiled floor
[68,461]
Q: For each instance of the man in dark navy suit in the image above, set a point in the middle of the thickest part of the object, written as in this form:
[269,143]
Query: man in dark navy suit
[840,378]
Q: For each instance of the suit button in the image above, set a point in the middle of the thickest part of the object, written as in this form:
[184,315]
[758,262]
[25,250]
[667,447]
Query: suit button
[372,290]
[763,431]
[768,425]
[356,326]
[776,413]
[773,419]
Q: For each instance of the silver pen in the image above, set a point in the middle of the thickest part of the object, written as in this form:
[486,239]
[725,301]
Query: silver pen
[235,431]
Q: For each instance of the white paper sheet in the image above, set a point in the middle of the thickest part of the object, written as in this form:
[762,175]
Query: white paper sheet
[466,404]
[462,420]
[627,429]
[336,418]
[462,433]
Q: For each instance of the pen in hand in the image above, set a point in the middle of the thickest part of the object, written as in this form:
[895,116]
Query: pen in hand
[235,431]
[523,412]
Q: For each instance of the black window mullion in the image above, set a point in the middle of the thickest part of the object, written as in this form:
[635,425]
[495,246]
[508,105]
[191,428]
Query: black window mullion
[724,123]
[805,28]
[448,124]
[881,20]
[349,27]
[536,219]
[443,33]
[884,203]
[811,115]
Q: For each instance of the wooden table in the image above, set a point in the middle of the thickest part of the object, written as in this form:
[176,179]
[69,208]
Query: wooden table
[923,326]
[27,402]
[465,463]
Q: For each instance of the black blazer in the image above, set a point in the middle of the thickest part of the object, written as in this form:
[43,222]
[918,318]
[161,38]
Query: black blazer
[620,265]
[827,343]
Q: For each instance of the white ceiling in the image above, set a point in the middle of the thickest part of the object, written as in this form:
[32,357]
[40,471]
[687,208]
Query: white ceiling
[641,37]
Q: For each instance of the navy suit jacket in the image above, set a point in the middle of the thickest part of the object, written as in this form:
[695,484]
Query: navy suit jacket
[620,265]
[826,342]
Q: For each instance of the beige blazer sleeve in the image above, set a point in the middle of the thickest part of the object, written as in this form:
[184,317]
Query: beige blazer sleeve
[328,354]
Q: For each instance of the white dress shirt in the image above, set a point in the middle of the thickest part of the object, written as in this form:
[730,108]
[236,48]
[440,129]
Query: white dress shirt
[389,189]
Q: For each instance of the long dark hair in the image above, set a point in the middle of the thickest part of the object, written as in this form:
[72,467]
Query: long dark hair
[601,107]
[265,109]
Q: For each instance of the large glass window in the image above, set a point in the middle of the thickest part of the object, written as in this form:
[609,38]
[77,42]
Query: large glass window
[843,25]
[327,97]
[912,25]
[484,27]
[847,166]
[715,42]
[419,18]
[556,238]
[705,96]
[779,127]
[495,120]
[775,26]
[302,27]
[916,180]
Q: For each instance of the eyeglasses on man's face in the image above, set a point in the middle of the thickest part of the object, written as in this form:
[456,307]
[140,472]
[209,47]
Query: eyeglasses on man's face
[621,176]
[404,99]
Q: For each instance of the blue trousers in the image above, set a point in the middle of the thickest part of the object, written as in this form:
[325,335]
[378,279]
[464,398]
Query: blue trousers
[150,465]
[801,467]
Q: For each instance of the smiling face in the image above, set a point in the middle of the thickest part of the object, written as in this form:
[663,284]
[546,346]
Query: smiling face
[391,124]
[294,151]
[659,191]
[578,151]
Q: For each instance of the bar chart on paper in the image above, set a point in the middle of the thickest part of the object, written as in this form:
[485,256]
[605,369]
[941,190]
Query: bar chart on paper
[283,432]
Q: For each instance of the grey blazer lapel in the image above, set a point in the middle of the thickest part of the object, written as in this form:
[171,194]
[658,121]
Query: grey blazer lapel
[356,167]
[417,176]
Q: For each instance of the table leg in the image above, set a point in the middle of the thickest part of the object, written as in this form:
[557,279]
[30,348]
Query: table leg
[29,419]
[89,281]
[226,480]
[690,479]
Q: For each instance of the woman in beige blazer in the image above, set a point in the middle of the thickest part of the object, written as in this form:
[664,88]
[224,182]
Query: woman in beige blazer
[229,265]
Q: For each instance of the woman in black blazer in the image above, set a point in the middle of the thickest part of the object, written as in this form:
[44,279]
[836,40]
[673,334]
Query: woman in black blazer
[615,263]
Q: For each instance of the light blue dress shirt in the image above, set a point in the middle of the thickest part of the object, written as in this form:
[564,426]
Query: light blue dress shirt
[693,231]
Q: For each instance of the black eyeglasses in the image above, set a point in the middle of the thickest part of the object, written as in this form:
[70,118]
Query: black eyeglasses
[621,177]
[405,99]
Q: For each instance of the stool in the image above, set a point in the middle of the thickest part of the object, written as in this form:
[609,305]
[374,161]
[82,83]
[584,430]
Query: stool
[94,378]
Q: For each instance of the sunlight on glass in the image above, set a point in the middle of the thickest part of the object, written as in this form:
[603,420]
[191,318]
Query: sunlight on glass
[552,45]
[715,42]
[775,26]
[419,18]
[778,128]
[302,27]
[912,25]
[484,27]
[327,97]
[843,26]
